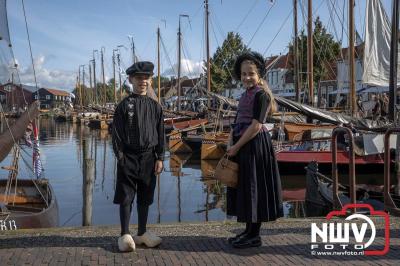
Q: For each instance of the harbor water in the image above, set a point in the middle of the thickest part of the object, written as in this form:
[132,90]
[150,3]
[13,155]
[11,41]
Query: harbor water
[183,194]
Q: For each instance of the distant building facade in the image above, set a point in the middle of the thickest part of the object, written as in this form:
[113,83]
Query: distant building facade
[51,98]
[14,96]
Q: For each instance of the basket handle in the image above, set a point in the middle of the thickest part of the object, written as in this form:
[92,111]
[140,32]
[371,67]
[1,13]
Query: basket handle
[225,159]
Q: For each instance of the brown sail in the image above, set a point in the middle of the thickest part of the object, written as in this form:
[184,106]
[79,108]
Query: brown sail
[17,130]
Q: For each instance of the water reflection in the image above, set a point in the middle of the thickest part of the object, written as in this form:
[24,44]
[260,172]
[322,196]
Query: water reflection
[185,191]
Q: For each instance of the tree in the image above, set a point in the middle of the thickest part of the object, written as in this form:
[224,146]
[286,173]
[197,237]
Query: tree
[326,50]
[162,80]
[87,93]
[223,60]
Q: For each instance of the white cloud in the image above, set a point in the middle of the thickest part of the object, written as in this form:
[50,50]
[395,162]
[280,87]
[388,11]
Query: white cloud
[48,78]
[188,68]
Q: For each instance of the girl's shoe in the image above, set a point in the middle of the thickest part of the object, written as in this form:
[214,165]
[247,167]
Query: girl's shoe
[126,243]
[236,237]
[247,242]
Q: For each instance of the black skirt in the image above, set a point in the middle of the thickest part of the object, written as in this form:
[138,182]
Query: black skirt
[258,196]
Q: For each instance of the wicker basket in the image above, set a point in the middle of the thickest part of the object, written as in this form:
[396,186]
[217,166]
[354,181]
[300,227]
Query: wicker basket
[227,172]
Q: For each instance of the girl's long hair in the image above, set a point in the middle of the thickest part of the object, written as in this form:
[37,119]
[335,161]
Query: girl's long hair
[272,104]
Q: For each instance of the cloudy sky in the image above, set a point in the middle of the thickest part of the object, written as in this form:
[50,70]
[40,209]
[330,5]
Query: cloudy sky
[65,33]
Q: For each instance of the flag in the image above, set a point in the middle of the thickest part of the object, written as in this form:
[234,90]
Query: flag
[37,163]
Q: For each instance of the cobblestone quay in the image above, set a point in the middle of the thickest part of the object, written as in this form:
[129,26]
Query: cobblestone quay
[285,242]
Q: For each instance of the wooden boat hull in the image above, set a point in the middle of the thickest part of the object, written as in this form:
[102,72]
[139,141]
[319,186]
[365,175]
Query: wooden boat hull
[193,141]
[294,161]
[293,129]
[189,123]
[28,213]
[319,195]
[60,118]
[213,146]
[176,144]
[98,124]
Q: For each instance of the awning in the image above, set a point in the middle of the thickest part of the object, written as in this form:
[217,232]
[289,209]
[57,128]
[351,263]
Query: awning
[287,94]
[340,91]
[375,89]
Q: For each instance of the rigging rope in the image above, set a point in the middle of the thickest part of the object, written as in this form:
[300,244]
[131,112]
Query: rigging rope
[30,47]
[261,23]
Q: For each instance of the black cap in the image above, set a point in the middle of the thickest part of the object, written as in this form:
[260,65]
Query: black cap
[143,67]
[255,57]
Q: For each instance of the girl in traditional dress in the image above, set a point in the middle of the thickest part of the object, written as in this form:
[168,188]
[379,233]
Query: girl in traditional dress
[258,196]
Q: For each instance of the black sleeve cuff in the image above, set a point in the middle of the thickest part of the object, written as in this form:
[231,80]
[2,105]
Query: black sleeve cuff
[160,157]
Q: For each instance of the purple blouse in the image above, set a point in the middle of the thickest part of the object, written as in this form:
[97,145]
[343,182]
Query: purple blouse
[253,104]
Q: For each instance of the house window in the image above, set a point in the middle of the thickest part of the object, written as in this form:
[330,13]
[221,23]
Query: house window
[47,97]
[36,96]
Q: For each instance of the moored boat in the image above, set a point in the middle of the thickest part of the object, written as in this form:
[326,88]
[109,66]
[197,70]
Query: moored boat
[33,205]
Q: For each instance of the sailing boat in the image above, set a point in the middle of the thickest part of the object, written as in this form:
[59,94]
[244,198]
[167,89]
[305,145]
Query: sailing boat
[24,203]
[376,72]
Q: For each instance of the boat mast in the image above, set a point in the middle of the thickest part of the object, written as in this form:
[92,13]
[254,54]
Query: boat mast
[179,59]
[393,61]
[208,52]
[115,91]
[158,66]
[119,75]
[80,87]
[295,62]
[179,63]
[94,77]
[83,78]
[102,72]
[90,78]
[132,48]
[310,56]
[352,100]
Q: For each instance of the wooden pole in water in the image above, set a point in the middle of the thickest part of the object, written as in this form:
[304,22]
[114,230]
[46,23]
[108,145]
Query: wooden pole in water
[87,190]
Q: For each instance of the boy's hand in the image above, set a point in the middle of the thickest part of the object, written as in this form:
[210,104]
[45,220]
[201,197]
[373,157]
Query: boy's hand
[158,167]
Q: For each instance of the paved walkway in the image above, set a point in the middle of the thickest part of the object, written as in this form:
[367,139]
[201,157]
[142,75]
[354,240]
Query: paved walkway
[286,242]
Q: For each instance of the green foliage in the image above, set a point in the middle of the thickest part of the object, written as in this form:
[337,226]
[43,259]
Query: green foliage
[102,90]
[326,50]
[162,80]
[223,60]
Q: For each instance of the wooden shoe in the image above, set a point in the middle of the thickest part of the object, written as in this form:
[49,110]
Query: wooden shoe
[126,243]
[149,239]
